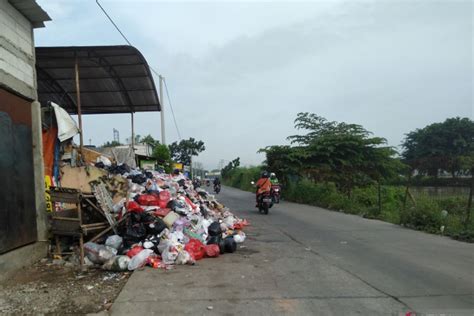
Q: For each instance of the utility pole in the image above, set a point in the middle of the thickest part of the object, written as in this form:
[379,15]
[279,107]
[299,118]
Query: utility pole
[162,103]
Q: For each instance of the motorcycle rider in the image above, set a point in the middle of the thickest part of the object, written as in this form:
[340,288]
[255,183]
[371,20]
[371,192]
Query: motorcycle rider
[274,179]
[263,185]
[217,183]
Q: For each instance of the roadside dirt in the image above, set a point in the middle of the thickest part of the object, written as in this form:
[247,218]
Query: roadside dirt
[59,288]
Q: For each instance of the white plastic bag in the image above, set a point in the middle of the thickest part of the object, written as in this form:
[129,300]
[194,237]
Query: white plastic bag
[140,259]
[169,256]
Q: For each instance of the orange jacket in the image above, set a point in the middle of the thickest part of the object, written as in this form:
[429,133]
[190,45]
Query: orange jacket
[263,185]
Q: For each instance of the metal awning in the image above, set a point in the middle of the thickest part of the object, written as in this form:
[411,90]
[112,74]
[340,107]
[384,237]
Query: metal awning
[112,79]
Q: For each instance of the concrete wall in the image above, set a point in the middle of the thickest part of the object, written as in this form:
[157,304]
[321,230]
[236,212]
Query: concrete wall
[18,74]
[17,63]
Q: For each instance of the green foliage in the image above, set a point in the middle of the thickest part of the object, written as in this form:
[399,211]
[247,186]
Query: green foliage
[113,143]
[345,154]
[148,139]
[185,149]
[162,154]
[241,178]
[230,166]
[445,146]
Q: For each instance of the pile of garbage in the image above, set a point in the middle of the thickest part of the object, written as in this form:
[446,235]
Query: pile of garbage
[168,222]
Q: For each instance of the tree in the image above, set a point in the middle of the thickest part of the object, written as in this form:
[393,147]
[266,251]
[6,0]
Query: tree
[440,146]
[162,154]
[184,150]
[346,154]
[148,139]
[230,166]
[281,160]
[113,143]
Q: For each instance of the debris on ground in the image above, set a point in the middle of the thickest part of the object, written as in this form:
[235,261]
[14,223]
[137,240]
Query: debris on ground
[47,288]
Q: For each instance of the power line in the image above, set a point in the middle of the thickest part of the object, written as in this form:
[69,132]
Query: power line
[154,71]
[112,21]
[171,107]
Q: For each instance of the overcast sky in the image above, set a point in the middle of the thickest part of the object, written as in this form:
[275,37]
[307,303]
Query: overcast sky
[239,72]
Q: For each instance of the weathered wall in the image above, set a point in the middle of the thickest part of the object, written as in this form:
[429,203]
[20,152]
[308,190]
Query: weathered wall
[17,64]
[17,75]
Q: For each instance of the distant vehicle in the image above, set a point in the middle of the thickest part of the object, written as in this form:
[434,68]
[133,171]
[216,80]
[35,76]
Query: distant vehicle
[217,188]
[276,191]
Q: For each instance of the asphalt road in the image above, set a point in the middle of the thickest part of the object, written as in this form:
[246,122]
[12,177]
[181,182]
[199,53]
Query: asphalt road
[306,260]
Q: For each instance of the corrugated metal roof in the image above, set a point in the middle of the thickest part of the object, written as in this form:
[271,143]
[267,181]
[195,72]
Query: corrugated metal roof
[32,11]
[113,79]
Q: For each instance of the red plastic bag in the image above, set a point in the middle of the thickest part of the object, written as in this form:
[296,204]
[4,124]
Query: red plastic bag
[134,251]
[162,212]
[196,249]
[191,204]
[148,200]
[164,197]
[133,206]
[212,251]
[240,225]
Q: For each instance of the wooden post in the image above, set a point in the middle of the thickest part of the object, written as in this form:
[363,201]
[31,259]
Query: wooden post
[78,98]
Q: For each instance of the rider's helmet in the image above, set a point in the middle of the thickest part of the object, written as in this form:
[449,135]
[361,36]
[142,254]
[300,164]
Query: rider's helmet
[272,175]
[264,174]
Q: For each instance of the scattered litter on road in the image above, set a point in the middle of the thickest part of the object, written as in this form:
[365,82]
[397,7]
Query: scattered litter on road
[343,242]
[210,308]
[307,249]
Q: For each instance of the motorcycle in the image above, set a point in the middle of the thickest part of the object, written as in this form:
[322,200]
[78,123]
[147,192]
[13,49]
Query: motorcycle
[217,188]
[276,193]
[264,201]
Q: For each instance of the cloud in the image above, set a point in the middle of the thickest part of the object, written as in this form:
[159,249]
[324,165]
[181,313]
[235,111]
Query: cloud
[238,73]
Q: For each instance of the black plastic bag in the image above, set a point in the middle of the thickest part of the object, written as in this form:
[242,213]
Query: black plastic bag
[229,244]
[215,229]
[155,227]
[214,240]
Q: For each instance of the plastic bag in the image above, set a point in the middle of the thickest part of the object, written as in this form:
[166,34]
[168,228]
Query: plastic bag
[140,259]
[133,206]
[229,244]
[117,263]
[155,227]
[184,258]
[214,229]
[97,253]
[169,255]
[195,248]
[212,250]
[134,251]
[148,200]
[164,197]
[114,241]
[240,237]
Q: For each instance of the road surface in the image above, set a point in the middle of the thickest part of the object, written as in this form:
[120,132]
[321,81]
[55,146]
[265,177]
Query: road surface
[306,260]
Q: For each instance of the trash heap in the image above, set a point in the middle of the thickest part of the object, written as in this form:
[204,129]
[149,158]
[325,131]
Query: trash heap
[164,221]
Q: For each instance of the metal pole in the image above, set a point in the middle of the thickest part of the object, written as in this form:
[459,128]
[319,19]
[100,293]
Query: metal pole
[162,103]
[78,98]
[133,134]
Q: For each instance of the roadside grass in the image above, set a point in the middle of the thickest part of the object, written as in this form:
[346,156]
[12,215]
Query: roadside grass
[442,215]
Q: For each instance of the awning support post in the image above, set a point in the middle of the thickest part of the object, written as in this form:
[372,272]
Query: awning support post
[162,112]
[78,98]
[133,133]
